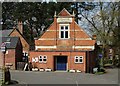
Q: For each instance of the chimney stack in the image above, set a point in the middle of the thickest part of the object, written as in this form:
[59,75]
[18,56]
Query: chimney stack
[20,26]
[94,37]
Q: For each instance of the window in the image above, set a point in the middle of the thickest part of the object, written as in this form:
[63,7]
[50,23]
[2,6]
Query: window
[8,40]
[64,31]
[42,59]
[78,59]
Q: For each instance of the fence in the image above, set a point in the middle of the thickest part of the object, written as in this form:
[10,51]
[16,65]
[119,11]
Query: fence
[20,65]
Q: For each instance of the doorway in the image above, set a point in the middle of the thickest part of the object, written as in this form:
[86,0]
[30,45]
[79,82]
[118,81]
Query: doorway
[60,63]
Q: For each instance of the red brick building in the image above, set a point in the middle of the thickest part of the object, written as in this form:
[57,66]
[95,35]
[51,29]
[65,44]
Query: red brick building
[13,52]
[64,46]
[18,32]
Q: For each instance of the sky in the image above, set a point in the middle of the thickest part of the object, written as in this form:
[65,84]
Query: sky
[59,0]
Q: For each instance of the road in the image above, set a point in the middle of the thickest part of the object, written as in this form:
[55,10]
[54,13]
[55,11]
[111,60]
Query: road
[30,77]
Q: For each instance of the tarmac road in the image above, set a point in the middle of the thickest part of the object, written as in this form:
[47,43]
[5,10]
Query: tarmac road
[30,77]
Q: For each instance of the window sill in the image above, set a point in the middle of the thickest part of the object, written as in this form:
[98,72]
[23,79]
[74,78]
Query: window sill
[63,38]
[78,62]
[42,62]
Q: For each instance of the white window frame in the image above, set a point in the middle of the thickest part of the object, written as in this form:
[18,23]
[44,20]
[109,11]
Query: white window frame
[64,31]
[45,58]
[42,57]
[79,57]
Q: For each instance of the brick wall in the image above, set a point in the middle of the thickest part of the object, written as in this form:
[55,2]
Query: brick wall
[51,37]
[25,45]
[64,47]
[10,58]
[1,59]
[50,60]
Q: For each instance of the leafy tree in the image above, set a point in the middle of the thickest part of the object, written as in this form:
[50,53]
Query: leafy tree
[32,14]
[102,21]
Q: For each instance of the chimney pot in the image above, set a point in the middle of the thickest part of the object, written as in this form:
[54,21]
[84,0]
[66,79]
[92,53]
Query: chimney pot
[94,37]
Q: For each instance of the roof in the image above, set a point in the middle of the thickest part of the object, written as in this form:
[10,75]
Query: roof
[64,13]
[11,42]
[19,33]
[6,33]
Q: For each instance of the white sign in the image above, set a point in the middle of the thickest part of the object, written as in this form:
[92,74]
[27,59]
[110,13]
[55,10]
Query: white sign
[64,20]
[35,59]
[3,49]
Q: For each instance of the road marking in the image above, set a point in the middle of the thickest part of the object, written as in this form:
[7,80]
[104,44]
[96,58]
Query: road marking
[76,83]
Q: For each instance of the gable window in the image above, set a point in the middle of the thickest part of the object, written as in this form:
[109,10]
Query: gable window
[78,59]
[64,31]
[42,59]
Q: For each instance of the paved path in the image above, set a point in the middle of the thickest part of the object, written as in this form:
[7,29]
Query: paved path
[29,77]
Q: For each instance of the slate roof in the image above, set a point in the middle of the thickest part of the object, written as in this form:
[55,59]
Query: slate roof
[5,33]
[11,42]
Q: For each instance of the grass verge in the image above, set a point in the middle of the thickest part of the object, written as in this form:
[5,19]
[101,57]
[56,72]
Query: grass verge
[99,73]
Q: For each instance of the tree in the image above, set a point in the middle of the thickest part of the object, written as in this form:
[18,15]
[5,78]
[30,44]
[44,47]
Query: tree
[80,7]
[32,14]
[102,21]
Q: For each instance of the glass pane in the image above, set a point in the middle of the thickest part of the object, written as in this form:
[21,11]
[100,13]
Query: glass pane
[40,56]
[80,57]
[45,57]
[66,27]
[76,57]
[80,60]
[62,34]
[40,60]
[44,60]
[66,34]
[76,60]
[62,27]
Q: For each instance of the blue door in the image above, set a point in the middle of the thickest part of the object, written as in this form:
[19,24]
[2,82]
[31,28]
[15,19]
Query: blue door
[61,63]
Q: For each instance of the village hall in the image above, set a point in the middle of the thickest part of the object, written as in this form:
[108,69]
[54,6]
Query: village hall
[64,46]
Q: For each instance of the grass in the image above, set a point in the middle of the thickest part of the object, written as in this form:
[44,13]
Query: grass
[0,81]
[6,83]
[99,73]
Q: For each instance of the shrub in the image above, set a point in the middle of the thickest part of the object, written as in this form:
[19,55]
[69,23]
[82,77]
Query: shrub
[102,70]
[99,73]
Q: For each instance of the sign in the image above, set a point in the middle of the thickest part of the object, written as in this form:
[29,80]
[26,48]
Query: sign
[64,20]
[9,64]
[3,47]
[100,55]
[35,59]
